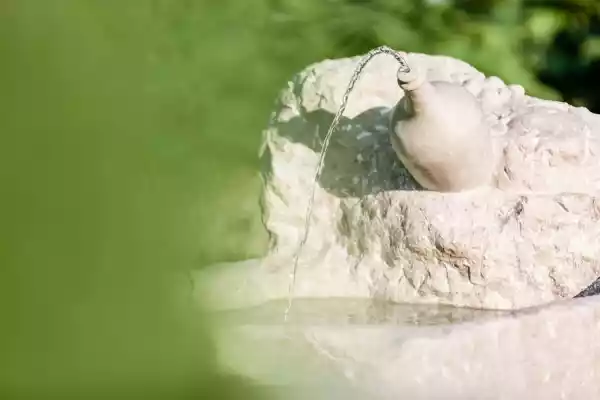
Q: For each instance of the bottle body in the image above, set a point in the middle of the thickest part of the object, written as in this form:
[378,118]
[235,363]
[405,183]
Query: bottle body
[438,132]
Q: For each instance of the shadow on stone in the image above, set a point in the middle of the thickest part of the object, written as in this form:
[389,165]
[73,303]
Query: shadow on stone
[592,290]
[358,311]
[359,160]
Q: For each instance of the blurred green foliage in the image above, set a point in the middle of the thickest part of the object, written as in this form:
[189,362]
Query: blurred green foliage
[130,132]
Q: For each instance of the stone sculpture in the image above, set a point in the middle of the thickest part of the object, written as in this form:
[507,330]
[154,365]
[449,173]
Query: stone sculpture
[529,239]
[510,245]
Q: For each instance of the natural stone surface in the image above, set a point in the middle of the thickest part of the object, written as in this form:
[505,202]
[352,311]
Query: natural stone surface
[509,255]
[404,352]
[529,240]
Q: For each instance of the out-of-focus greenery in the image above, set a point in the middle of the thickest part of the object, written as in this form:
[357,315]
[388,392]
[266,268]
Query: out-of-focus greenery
[130,132]
[108,152]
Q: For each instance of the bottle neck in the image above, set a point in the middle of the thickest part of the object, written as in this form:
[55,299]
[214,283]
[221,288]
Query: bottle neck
[420,97]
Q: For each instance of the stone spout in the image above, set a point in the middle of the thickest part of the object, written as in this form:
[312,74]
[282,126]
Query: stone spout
[439,134]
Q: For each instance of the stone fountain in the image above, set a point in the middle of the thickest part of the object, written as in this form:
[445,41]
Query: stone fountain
[408,292]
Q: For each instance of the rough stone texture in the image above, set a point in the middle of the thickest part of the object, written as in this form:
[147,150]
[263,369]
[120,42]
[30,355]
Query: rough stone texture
[530,240]
[376,237]
[397,352]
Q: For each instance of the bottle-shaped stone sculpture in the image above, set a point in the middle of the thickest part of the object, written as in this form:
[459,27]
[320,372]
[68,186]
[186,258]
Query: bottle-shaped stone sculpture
[438,132]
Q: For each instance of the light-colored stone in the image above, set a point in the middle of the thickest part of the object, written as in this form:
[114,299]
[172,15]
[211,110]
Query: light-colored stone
[439,133]
[398,352]
[531,239]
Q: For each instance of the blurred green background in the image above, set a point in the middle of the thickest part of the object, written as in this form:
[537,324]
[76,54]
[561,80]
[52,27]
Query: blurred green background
[130,132]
